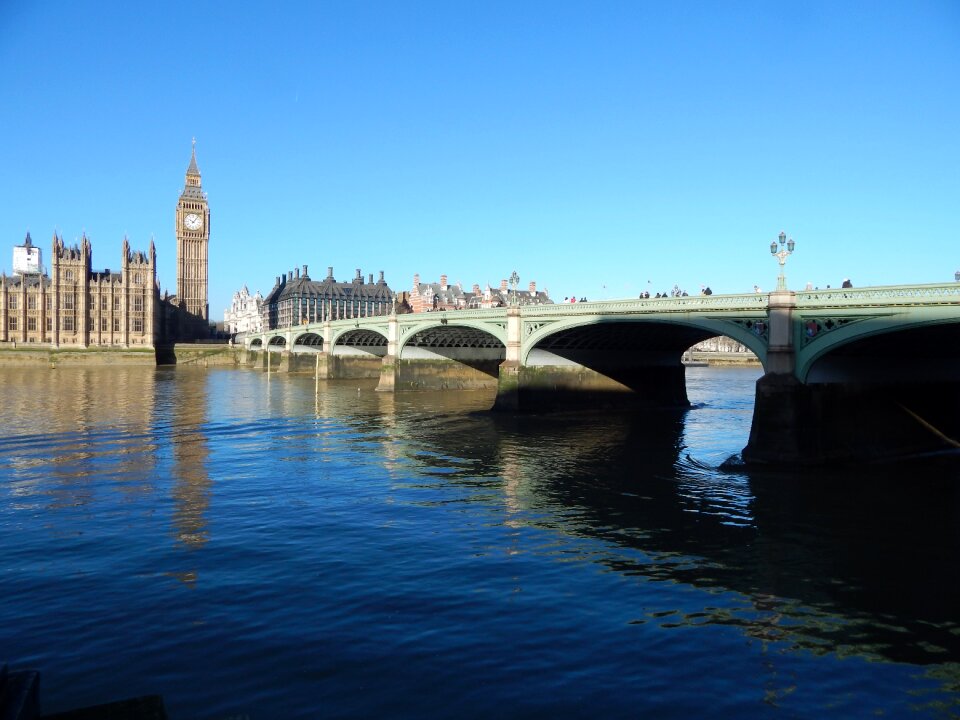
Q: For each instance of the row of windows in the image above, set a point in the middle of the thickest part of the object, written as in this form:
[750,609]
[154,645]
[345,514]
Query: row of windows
[67,302]
[68,276]
[67,324]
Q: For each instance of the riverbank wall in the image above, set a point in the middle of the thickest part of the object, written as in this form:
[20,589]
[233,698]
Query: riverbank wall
[195,354]
[223,355]
[723,359]
[74,357]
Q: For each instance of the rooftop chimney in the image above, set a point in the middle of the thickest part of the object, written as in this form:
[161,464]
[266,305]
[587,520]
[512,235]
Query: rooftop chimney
[476,289]
[290,276]
[304,270]
[278,280]
[371,278]
[503,284]
[533,288]
[330,273]
[298,273]
[416,280]
[381,280]
[443,282]
[359,277]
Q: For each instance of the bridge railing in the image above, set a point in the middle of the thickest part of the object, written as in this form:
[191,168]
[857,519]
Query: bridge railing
[746,301]
[882,295]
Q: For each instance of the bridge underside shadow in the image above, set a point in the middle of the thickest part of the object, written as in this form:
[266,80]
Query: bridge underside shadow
[878,398]
[446,357]
[612,365]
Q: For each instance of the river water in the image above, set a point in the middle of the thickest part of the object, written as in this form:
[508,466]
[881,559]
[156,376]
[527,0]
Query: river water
[264,546]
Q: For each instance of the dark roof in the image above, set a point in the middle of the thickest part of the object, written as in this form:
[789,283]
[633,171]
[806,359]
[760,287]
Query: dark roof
[31,280]
[328,288]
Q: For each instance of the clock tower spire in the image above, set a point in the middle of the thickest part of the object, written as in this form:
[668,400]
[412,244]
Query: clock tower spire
[193,237]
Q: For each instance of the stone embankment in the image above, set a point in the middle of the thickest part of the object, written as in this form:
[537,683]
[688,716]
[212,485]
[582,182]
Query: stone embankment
[740,359]
[223,355]
[195,354]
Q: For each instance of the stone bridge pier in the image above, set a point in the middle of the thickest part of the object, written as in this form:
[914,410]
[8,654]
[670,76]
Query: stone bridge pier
[884,386]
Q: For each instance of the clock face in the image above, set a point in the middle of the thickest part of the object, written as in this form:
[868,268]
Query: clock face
[193,222]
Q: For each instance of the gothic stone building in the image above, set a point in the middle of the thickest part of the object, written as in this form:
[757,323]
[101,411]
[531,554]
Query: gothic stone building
[76,306]
[186,315]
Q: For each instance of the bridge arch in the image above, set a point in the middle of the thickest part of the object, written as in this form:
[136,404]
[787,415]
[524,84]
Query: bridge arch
[359,341]
[277,341]
[891,349]
[631,361]
[256,342]
[308,340]
[453,333]
[669,336]
[450,354]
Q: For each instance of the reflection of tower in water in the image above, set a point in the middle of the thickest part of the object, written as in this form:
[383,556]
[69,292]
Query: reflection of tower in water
[191,482]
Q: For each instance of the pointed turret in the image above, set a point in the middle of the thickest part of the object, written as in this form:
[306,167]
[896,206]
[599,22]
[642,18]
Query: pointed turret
[193,174]
[192,169]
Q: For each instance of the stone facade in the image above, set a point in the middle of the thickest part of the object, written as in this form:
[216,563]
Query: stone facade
[245,313]
[193,238]
[81,307]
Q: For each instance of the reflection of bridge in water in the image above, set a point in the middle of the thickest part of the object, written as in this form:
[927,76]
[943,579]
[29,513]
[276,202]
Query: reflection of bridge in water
[830,562]
[849,373]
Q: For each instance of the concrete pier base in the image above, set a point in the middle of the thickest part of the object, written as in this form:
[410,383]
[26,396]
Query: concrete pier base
[567,387]
[436,374]
[820,424]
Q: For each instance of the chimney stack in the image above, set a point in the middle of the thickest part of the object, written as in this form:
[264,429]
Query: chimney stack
[416,280]
[533,288]
[298,273]
[371,278]
[443,282]
[381,280]
[304,270]
[503,285]
[476,289]
[330,273]
[289,275]
[359,277]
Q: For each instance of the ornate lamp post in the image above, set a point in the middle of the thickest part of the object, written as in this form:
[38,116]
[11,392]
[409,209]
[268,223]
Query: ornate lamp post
[514,281]
[782,255]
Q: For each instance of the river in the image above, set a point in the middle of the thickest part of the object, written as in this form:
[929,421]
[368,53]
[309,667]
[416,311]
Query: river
[271,547]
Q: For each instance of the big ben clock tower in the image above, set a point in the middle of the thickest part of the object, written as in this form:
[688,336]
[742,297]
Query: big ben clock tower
[193,237]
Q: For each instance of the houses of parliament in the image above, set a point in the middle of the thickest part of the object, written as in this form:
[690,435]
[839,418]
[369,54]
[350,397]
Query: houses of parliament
[76,306]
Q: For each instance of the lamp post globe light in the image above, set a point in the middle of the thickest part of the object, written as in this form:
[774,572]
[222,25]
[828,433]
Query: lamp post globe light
[514,282]
[781,254]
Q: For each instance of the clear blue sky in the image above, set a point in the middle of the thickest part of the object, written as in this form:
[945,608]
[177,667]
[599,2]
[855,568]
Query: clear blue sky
[591,146]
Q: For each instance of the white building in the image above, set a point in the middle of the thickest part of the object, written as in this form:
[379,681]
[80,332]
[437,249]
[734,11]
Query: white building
[245,313]
[27,259]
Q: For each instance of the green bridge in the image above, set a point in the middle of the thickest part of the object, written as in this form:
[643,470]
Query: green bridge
[849,373]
